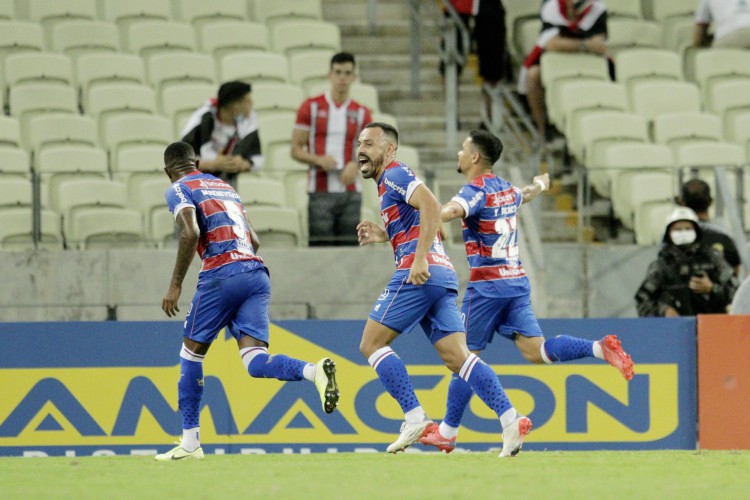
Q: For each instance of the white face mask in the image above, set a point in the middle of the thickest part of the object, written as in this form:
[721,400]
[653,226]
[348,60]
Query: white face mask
[682,236]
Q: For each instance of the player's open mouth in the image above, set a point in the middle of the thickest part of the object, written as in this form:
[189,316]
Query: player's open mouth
[363,162]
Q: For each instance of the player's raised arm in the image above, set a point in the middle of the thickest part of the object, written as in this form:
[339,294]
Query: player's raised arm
[541,183]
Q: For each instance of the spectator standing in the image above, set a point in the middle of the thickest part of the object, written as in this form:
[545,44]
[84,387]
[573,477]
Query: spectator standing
[224,133]
[324,137]
[567,26]
[688,277]
[696,195]
[732,18]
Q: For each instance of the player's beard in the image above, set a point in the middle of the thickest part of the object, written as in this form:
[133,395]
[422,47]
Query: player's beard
[375,164]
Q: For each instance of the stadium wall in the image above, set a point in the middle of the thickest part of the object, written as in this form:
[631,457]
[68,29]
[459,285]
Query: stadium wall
[321,283]
[101,388]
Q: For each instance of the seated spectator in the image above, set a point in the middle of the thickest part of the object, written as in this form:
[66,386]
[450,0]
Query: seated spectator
[567,26]
[224,133]
[732,18]
[325,138]
[688,277]
[696,195]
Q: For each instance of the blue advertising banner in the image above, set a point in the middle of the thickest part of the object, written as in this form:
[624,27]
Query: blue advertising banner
[103,388]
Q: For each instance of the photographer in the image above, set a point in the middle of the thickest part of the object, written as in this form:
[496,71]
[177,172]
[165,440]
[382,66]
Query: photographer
[688,276]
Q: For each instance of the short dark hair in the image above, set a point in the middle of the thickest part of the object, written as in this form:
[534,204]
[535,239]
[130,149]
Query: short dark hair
[389,130]
[179,155]
[696,195]
[487,145]
[343,57]
[231,92]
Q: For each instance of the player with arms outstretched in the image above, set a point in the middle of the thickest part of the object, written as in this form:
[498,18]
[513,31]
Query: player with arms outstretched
[233,291]
[423,291]
[497,298]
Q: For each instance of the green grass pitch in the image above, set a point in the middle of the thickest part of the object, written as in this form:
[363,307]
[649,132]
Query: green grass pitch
[631,475]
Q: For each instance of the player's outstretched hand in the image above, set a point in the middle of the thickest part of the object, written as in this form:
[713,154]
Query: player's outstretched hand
[543,179]
[419,272]
[169,302]
[369,232]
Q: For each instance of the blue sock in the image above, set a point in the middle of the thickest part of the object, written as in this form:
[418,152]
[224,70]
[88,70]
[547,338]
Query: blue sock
[485,383]
[190,388]
[260,364]
[567,348]
[459,395]
[392,374]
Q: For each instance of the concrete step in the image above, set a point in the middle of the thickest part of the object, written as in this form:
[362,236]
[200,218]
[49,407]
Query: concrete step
[356,11]
[368,44]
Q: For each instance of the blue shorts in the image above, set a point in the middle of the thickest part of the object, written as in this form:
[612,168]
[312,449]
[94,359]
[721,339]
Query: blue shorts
[402,306]
[507,316]
[239,303]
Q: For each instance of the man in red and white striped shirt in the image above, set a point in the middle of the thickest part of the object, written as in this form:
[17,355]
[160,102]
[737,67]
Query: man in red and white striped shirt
[325,137]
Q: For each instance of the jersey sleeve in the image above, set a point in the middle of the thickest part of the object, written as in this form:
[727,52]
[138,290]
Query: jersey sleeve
[471,198]
[401,182]
[304,116]
[179,197]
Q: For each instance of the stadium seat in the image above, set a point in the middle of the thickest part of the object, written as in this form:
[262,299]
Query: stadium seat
[665,9]
[527,37]
[606,129]
[642,188]
[276,227]
[275,98]
[385,118]
[310,69]
[148,199]
[57,165]
[50,13]
[625,34]
[254,67]
[38,67]
[137,164]
[105,227]
[104,68]
[200,12]
[75,38]
[559,69]
[677,129]
[409,156]
[290,37]
[517,14]
[16,230]
[166,69]
[106,101]
[7,10]
[14,162]
[179,102]
[741,134]
[262,191]
[653,99]
[61,130]
[582,99]
[281,159]
[154,37]
[222,38]
[15,192]
[650,222]
[18,36]
[270,13]
[720,65]
[645,65]
[161,228]
[275,132]
[624,8]
[121,132]
[728,100]
[363,93]
[126,13]
[10,132]
[677,33]
[29,100]
[624,161]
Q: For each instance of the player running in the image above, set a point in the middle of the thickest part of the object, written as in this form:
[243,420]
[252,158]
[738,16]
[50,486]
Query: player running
[422,291]
[233,292]
[497,298]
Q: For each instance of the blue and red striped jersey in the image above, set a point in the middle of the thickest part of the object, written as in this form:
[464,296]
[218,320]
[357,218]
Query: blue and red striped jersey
[401,220]
[225,236]
[490,231]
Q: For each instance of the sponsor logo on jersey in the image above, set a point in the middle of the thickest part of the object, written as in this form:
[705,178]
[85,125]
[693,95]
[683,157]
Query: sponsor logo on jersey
[395,187]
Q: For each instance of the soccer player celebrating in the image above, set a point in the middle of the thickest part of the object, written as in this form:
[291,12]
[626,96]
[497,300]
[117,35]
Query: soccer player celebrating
[497,298]
[423,291]
[233,292]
